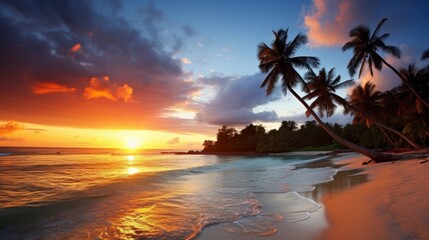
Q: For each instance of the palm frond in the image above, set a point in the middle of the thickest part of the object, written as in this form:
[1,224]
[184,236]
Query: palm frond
[292,77]
[267,66]
[263,51]
[344,84]
[425,54]
[369,66]
[330,110]
[384,36]
[271,81]
[360,32]
[355,61]
[330,77]
[334,82]
[340,100]
[311,95]
[305,62]
[310,77]
[304,85]
[279,42]
[283,34]
[380,24]
[296,43]
[347,46]
[376,60]
[362,64]
[395,51]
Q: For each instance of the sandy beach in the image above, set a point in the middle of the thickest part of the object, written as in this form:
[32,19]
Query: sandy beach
[374,201]
[393,204]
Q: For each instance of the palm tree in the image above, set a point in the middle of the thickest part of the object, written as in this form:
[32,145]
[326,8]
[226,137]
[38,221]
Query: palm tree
[418,79]
[368,106]
[323,87]
[279,60]
[410,105]
[365,46]
[368,102]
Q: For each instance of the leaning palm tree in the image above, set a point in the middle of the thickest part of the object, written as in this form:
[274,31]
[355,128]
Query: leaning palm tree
[409,104]
[279,61]
[365,52]
[367,105]
[368,102]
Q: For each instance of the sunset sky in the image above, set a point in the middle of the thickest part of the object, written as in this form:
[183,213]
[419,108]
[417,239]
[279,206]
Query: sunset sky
[168,74]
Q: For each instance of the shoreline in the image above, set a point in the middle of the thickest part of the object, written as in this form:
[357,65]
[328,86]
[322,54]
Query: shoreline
[309,153]
[308,227]
[373,201]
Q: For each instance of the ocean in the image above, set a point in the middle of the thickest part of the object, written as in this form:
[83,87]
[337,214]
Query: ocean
[70,193]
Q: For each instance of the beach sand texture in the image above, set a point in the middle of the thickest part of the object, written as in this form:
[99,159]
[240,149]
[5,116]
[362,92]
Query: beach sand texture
[394,204]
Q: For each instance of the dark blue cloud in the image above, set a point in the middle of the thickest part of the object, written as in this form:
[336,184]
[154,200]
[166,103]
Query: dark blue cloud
[189,31]
[235,100]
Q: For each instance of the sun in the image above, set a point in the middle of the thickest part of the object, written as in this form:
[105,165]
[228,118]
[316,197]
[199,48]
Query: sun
[132,143]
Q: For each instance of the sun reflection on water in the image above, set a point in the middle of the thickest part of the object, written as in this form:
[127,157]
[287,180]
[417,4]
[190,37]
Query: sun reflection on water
[133,170]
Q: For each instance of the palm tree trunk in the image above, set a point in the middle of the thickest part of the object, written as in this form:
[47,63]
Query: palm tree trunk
[405,82]
[386,136]
[378,123]
[372,154]
[411,142]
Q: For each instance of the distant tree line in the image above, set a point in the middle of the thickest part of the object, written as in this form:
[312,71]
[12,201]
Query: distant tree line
[309,136]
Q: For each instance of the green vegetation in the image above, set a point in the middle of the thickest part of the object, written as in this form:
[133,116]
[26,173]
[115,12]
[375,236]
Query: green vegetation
[292,137]
[396,118]
[253,138]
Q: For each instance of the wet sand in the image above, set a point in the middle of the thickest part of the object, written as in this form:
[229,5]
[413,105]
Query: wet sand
[375,201]
[393,204]
[314,225]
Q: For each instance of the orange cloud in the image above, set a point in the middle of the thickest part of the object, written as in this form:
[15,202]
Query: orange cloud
[125,93]
[327,28]
[50,87]
[10,127]
[103,88]
[76,48]
[175,140]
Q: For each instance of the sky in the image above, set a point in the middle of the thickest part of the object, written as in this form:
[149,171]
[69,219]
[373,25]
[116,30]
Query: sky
[168,74]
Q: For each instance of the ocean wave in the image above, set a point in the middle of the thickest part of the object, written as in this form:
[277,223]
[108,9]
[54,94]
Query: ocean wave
[177,202]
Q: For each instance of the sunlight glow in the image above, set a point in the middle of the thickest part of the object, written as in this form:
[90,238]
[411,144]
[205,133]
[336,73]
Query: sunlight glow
[131,158]
[50,136]
[132,143]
